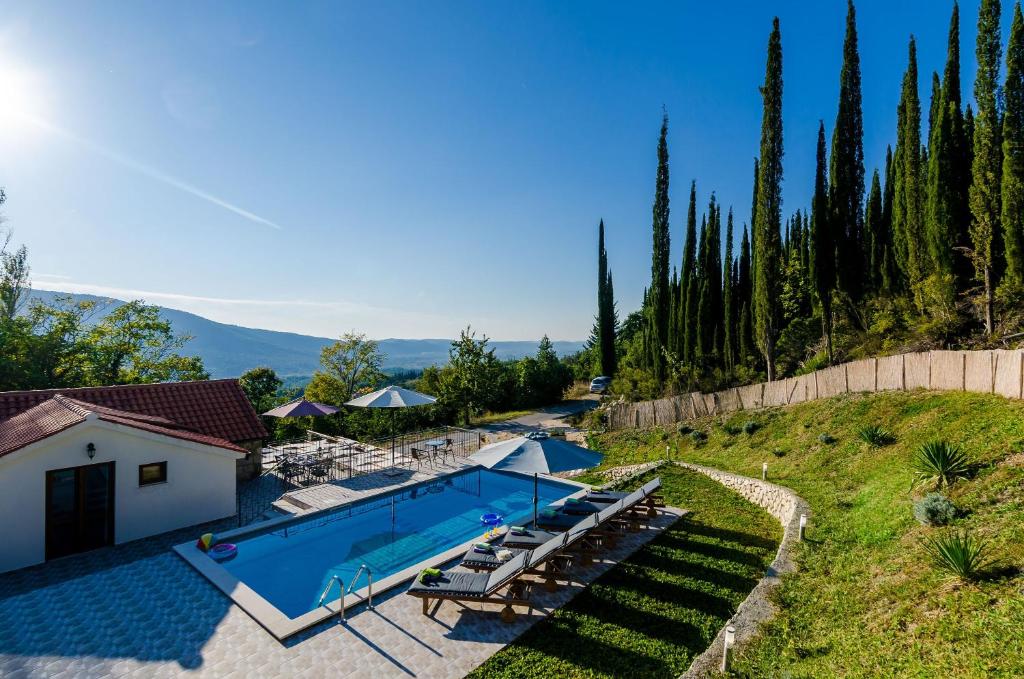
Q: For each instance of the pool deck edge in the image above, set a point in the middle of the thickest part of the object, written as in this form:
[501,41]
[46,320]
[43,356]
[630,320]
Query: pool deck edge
[279,625]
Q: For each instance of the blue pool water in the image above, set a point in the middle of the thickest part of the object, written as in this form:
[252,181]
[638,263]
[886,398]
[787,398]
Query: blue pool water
[291,566]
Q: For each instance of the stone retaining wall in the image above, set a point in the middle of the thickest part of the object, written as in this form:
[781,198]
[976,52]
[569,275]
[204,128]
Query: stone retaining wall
[786,506]
[987,372]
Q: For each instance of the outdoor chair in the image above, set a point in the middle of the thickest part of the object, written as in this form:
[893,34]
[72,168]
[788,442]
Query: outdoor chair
[419,456]
[529,538]
[501,586]
[290,471]
[448,449]
[319,470]
[559,521]
[581,507]
[546,560]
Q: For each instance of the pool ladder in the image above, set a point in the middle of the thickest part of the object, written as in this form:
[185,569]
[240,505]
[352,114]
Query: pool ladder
[341,590]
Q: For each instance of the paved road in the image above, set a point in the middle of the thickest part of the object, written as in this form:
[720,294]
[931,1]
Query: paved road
[544,418]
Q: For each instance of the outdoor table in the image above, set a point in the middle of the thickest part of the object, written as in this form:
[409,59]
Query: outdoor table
[435,445]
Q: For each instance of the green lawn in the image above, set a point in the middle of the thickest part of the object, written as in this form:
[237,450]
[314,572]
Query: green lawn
[866,601]
[652,614]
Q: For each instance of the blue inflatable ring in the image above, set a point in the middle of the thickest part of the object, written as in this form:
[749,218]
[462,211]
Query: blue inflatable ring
[491,519]
[223,551]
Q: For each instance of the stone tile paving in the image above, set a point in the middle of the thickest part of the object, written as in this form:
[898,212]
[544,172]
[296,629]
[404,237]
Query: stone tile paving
[334,493]
[137,610]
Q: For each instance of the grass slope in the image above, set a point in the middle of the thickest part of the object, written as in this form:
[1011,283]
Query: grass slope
[651,615]
[866,601]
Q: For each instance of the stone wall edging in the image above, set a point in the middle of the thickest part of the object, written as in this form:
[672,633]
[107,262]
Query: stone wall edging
[786,507]
[994,371]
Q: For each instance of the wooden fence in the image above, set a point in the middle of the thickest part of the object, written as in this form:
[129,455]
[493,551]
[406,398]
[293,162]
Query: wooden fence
[987,372]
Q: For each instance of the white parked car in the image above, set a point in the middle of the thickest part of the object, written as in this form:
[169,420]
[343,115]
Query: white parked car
[599,385]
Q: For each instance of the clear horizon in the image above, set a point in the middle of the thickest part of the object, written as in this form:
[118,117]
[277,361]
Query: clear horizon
[406,172]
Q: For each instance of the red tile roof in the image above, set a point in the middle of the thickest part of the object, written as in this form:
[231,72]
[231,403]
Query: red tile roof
[216,408]
[59,413]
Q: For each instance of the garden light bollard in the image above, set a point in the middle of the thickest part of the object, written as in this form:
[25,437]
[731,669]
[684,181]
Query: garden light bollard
[730,639]
[764,471]
[803,525]
[668,455]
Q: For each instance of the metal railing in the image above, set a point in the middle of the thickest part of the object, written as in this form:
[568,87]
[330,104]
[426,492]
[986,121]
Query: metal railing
[341,602]
[369,584]
[324,458]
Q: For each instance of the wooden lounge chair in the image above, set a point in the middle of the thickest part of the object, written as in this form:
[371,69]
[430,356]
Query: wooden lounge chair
[548,560]
[528,539]
[652,498]
[604,496]
[501,586]
[581,508]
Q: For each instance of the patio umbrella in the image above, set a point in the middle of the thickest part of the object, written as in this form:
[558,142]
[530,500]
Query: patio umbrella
[536,453]
[392,397]
[300,407]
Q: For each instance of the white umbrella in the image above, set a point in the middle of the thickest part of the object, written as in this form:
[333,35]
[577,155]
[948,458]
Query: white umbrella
[392,397]
[536,453]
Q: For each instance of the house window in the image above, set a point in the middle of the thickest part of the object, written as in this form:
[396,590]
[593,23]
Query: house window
[154,472]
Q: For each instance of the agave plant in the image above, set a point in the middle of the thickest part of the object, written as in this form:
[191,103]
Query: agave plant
[961,555]
[940,463]
[875,436]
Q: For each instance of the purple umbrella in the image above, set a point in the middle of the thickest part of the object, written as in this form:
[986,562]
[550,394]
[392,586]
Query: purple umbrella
[300,407]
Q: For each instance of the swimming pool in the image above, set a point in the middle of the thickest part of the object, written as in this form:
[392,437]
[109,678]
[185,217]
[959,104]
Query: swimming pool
[290,565]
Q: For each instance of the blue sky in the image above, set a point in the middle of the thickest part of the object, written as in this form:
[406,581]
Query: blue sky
[406,169]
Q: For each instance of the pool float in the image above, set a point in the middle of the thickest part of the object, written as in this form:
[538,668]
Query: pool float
[223,551]
[491,519]
[204,542]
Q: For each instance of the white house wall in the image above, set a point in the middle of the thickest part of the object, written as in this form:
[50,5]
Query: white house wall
[200,486]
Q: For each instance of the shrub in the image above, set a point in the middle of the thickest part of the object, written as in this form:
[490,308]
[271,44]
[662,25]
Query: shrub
[875,436]
[777,452]
[684,429]
[959,554]
[698,437]
[940,463]
[730,429]
[749,427]
[934,509]
[827,439]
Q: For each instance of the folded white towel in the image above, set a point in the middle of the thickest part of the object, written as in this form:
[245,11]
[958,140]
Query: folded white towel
[503,555]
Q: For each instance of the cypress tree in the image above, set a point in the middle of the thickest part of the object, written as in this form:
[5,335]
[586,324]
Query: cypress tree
[659,291]
[713,275]
[823,246]
[846,185]
[987,160]
[946,213]
[728,312]
[888,269]
[935,104]
[769,206]
[908,203]
[873,230]
[689,306]
[1012,217]
[744,287]
[699,289]
[753,221]
[606,321]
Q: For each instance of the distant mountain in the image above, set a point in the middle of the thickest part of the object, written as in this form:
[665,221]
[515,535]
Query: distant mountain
[230,350]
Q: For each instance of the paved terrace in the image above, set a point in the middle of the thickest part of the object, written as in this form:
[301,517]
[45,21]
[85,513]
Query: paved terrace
[138,610]
[334,493]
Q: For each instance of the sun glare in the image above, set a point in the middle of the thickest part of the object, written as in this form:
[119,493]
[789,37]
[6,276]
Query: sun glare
[21,103]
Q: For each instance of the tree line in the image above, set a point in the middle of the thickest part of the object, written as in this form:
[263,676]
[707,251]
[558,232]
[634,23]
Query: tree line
[473,381]
[926,251]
